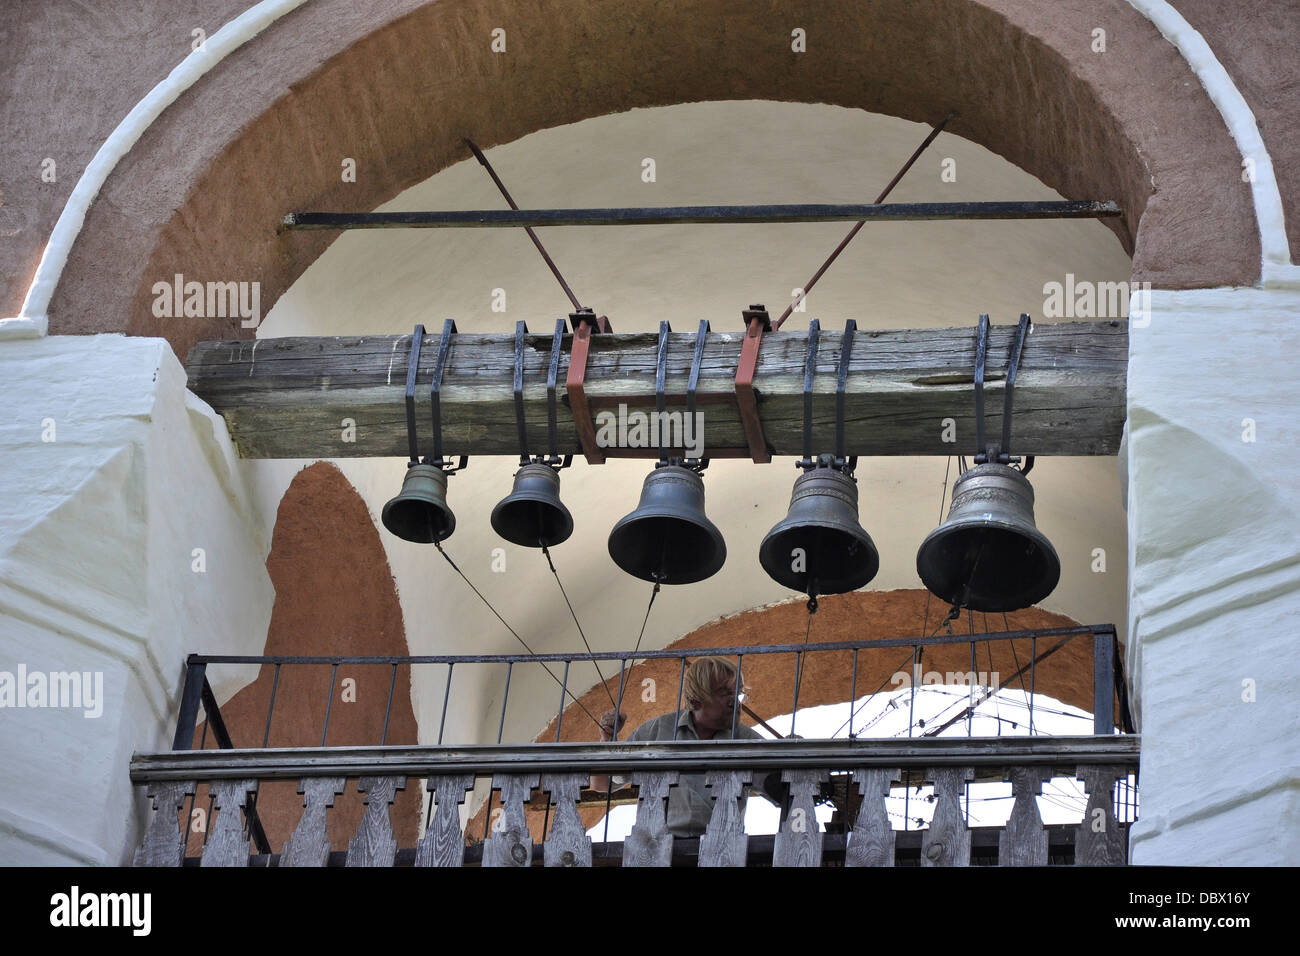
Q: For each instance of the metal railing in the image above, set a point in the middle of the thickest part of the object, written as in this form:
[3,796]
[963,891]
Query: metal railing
[231,776]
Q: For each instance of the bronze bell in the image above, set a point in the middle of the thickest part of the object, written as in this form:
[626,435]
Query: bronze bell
[532,514]
[667,538]
[837,554]
[419,513]
[988,555]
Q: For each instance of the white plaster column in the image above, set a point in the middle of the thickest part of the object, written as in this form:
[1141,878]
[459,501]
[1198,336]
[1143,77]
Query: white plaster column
[1214,570]
[115,475]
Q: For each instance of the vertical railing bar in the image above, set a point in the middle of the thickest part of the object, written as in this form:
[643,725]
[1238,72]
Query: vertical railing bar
[794,710]
[853,692]
[487,820]
[681,680]
[195,675]
[735,710]
[618,706]
[1103,685]
[618,709]
[505,699]
[428,814]
[446,696]
[559,714]
[329,704]
[1033,673]
[388,709]
[911,703]
[970,696]
[275,688]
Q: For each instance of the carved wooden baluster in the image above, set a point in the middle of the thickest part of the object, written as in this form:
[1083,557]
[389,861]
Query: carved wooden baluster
[442,843]
[164,842]
[1023,842]
[510,843]
[227,841]
[1099,841]
[374,844]
[724,842]
[310,843]
[872,841]
[567,843]
[947,841]
[799,841]
[650,843]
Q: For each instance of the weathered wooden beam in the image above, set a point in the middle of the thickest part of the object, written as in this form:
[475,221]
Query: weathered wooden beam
[298,397]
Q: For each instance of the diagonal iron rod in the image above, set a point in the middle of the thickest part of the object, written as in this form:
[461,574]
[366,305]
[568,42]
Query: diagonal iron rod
[858,226]
[478,154]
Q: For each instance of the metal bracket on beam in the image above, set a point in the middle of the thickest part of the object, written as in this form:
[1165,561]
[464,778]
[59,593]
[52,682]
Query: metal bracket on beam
[552,429]
[585,324]
[997,453]
[757,321]
[809,368]
[435,393]
[841,384]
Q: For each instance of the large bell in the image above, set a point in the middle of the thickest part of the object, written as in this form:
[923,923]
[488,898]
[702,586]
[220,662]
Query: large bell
[532,514]
[419,513]
[668,538]
[988,555]
[819,547]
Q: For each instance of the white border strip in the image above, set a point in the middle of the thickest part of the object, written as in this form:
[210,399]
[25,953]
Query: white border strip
[33,321]
[1275,252]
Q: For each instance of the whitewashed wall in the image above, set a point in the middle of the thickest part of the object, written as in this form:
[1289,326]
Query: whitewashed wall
[98,573]
[1214,572]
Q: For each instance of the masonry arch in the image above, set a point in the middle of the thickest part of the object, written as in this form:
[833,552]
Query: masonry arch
[265,132]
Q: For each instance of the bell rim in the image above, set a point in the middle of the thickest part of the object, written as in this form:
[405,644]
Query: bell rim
[514,499]
[705,572]
[768,546]
[384,517]
[1046,582]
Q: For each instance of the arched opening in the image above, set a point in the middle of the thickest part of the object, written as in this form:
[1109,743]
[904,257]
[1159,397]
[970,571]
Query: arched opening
[396,92]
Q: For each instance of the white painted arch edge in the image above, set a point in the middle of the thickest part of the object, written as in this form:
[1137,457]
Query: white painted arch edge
[1275,253]
[33,321]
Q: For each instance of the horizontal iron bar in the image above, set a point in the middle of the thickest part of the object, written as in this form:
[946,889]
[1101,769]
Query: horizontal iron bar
[662,215]
[620,757]
[675,654]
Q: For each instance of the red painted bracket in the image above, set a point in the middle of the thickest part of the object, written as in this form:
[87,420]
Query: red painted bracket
[757,321]
[585,324]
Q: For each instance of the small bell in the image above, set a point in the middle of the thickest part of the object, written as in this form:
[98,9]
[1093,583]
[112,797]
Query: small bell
[667,538]
[819,547]
[532,514]
[989,555]
[419,513]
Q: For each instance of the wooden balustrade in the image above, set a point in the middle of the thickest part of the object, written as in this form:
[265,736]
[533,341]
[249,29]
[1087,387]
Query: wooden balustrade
[516,773]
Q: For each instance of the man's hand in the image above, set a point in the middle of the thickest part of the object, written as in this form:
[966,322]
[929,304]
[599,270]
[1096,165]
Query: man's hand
[607,725]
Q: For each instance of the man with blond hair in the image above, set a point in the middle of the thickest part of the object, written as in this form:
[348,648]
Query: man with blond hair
[711,690]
